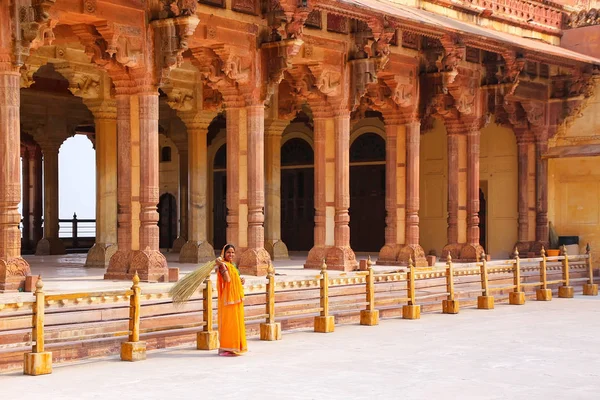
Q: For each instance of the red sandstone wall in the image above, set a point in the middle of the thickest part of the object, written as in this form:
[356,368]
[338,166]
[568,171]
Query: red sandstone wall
[584,40]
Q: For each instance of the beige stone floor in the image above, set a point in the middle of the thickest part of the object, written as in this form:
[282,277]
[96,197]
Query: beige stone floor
[67,274]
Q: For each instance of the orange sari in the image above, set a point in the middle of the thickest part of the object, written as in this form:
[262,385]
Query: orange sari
[232,328]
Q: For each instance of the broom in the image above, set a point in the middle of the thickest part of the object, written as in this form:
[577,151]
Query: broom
[185,288]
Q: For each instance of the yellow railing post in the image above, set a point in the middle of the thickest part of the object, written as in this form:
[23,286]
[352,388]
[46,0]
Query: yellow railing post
[517,297]
[370,316]
[208,338]
[133,349]
[590,288]
[565,291]
[450,305]
[543,293]
[485,301]
[411,310]
[270,330]
[39,361]
[324,323]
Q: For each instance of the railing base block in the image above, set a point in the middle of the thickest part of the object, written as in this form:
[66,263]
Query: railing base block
[37,363]
[133,351]
[516,298]
[207,340]
[324,324]
[566,292]
[369,318]
[411,312]
[450,306]
[485,302]
[543,295]
[590,289]
[270,331]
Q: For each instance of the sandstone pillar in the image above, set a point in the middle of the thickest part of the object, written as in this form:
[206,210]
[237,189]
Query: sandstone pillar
[106,185]
[523,143]
[197,248]
[236,135]
[341,256]
[26,205]
[50,244]
[13,268]
[273,243]
[255,260]
[453,247]
[388,255]
[472,251]
[137,233]
[324,178]
[183,199]
[541,192]
[412,248]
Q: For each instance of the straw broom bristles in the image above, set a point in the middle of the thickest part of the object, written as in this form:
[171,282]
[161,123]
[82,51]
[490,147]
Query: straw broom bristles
[185,288]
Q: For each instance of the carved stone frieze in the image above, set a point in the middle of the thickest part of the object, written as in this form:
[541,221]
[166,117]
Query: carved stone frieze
[177,8]
[180,98]
[124,42]
[328,79]
[33,28]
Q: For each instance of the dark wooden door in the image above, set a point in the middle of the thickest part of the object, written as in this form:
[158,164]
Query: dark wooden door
[367,207]
[482,220]
[219,209]
[167,220]
[297,208]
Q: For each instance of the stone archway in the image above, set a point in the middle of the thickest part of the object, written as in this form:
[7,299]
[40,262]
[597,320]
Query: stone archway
[297,194]
[367,193]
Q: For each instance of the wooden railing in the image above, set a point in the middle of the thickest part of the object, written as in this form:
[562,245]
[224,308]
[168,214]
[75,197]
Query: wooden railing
[322,299]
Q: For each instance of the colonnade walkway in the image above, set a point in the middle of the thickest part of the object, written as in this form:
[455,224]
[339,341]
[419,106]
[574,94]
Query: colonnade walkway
[539,351]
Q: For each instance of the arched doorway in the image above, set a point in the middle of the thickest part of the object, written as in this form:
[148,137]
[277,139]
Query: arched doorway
[220,198]
[297,195]
[367,193]
[167,220]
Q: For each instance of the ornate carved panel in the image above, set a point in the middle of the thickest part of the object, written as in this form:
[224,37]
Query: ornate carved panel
[410,40]
[314,19]
[473,55]
[337,23]
[245,6]
[89,6]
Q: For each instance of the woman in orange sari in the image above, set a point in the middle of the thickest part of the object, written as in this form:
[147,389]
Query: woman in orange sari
[232,328]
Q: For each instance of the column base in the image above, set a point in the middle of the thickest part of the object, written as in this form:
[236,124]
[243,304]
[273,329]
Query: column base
[450,306]
[536,247]
[471,252]
[13,273]
[254,262]
[566,292]
[150,265]
[524,248]
[99,255]
[454,250]
[133,351]
[50,247]
[341,259]
[207,340]
[315,258]
[195,252]
[415,252]
[37,363]
[543,295]
[277,250]
[270,331]
[516,298]
[325,324]
[178,244]
[369,318]
[485,302]
[388,255]
[590,289]
[411,312]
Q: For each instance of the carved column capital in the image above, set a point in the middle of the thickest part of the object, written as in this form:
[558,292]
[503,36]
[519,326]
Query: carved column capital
[102,109]
[197,121]
[275,127]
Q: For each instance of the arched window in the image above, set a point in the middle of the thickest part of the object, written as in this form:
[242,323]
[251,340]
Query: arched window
[221,158]
[368,147]
[165,154]
[296,152]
